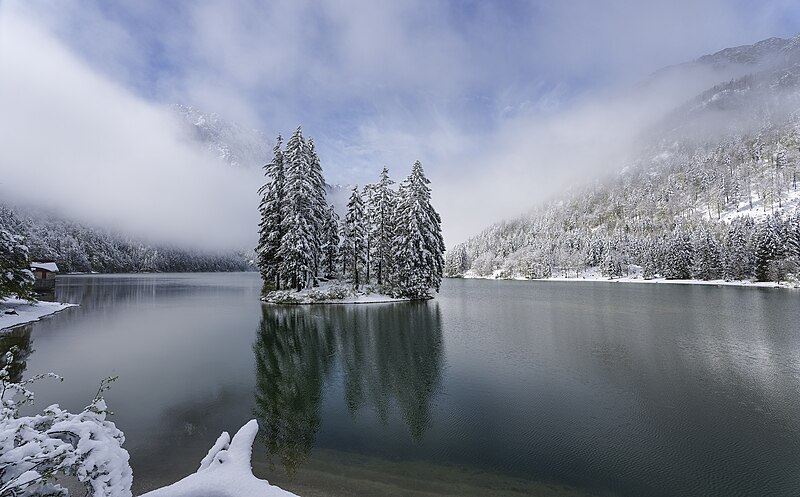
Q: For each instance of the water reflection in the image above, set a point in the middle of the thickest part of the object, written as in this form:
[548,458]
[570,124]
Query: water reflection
[389,356]
[293,358]
[20,338]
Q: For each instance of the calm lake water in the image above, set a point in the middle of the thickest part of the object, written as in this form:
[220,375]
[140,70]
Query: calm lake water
[493,388]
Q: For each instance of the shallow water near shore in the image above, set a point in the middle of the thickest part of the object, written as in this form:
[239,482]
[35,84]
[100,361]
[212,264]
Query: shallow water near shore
[493,388]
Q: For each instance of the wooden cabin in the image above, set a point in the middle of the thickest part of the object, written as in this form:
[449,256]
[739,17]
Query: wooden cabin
[44,273]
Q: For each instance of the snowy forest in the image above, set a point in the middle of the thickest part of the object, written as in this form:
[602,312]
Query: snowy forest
[390,238]
[708,192]
[76,247]
[723,209]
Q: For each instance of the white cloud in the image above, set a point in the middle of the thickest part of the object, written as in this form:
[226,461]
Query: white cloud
[75,142]
[504,102]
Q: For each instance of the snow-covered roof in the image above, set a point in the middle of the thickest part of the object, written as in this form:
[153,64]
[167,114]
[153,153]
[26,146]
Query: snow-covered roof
[47,266]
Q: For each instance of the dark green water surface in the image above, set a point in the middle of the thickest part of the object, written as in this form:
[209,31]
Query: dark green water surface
[493,388]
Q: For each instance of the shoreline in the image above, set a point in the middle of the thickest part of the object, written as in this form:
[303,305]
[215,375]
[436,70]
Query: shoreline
[331,292]
[27,312]
[662,281]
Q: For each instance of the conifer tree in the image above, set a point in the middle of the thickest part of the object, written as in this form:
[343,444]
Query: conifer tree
[299,248]
[707,256]
[382,226]
[272,210]
[319,205]
[16,278]
[368,197]
[354,235]
[330,244]
[418,245]
[679,256]
[738,259]
[768,248]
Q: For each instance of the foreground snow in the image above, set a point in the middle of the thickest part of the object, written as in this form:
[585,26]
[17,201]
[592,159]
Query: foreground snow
[225,471]
[635,276]
[26,312]
[331,292]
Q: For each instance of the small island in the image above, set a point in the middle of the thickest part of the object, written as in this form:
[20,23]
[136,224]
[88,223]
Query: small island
[388,248]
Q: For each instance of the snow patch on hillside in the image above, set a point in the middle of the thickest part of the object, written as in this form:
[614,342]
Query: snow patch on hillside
[15,312]
[759,211]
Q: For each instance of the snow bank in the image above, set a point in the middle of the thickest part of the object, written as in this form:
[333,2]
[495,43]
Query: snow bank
[26,312]
[225,471]
[635,276]
[331,292]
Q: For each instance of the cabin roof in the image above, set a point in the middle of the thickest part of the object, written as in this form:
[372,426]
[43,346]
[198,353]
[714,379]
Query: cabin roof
[46,266]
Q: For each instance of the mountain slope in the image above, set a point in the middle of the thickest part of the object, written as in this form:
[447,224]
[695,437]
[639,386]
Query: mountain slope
[712,192]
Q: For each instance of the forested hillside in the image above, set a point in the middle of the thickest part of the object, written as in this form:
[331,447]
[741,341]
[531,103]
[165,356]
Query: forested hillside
[80,247]
[711,194]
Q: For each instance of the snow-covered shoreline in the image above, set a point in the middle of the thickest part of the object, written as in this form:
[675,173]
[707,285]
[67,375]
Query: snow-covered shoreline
[636,277]
[331,292]
[27,312]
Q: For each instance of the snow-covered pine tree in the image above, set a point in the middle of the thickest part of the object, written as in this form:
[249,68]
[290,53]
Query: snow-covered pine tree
[273,209]
[382,226]
[368,197]
[354,234]
[678,257]
[16,278]
[793,244]
[299,248]
[330,244]
[738,257]
[418,247]
[319,204]
[456,262]
[768,249]
[707,264]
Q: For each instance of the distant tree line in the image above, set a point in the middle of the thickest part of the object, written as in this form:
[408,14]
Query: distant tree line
[78,248]
[723,209]
[389,237]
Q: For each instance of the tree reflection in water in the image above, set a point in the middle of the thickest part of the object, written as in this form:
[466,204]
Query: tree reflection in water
[388,354]
[21,338]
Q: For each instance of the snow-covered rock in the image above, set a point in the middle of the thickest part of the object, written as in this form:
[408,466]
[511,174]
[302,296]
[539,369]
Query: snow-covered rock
[225,471]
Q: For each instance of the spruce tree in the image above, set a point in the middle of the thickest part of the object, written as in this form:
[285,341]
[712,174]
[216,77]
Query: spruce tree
[768,248]
[272,210]
[418,247]
[707,264]
[354,235]
[738,258]
[679,256]
[330,244]
[319,206]
[381,225]
[299,248]
[368,197]
[16,278]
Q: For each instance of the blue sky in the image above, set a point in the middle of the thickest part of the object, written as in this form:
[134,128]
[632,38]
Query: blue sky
[468,87]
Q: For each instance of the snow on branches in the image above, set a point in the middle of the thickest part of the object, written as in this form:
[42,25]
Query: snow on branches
[35,449]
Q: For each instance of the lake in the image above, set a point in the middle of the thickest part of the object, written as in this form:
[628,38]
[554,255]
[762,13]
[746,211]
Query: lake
[494,388]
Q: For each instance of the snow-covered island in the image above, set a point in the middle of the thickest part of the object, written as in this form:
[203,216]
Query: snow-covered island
[388,248]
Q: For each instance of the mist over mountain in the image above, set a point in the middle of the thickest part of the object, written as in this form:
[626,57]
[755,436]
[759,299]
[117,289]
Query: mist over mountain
[78,245]
[233,144]
[709,191]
